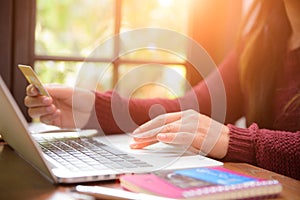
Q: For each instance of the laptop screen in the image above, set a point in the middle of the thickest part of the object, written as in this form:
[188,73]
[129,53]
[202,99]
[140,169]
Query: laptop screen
[13,128]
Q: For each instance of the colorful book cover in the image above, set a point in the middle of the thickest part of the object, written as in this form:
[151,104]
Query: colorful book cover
[205,182]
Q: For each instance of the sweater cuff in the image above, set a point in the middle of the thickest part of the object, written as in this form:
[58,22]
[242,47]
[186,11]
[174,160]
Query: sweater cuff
[241,144]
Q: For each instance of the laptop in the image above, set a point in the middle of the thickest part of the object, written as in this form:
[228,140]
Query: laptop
[56,156]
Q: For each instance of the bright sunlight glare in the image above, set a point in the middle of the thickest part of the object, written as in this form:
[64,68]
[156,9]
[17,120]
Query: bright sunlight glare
[165,3]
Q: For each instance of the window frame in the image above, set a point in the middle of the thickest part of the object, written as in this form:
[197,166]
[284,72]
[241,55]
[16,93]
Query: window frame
[17,39]
[116,62]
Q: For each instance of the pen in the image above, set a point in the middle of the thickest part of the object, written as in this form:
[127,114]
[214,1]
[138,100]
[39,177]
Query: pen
[111,193]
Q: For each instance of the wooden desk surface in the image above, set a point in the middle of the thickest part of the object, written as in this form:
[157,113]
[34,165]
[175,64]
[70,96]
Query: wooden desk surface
[19,180]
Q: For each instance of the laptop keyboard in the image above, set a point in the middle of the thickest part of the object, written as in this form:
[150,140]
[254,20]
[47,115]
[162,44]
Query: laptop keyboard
[88,154]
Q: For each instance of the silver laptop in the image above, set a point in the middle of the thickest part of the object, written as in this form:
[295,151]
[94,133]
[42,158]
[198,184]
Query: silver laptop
[84,155]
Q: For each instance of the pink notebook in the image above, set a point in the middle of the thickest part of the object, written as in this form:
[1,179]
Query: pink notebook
[206,182]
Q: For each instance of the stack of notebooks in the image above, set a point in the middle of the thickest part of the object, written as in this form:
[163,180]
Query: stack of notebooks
[201,183]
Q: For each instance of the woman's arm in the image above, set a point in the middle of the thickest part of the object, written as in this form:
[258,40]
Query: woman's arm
[117,114]
[278,151]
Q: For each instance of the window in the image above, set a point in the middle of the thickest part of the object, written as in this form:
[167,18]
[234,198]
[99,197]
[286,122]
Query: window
[57,38]
[68,32]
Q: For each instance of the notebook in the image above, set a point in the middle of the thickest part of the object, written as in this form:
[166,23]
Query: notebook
[202,183]
[52,153]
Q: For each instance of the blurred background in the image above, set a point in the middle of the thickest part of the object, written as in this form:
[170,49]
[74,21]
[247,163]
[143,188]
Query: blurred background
[57,38]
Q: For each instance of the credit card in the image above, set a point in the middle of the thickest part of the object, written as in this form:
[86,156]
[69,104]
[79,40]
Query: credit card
[32,78]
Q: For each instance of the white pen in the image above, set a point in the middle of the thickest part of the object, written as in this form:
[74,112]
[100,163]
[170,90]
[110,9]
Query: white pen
[111,193]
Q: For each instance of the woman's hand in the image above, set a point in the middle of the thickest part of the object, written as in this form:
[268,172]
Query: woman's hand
[60,109]
[191,128]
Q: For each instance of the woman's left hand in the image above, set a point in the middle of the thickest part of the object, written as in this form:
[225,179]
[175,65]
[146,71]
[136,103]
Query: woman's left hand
[189,127]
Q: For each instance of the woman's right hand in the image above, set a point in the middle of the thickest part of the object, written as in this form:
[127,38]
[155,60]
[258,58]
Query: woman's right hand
[59,109]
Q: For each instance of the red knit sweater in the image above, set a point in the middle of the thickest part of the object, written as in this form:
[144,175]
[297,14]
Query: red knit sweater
[277,150]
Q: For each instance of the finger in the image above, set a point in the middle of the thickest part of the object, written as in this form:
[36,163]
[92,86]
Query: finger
[58,91]
[182,138]
[158,122]
[50,118]
[171,128]
[31,90]
[144,139]
[140,145]
[139,138]
[146,135]
[37,101]
[37,112]
[151,135]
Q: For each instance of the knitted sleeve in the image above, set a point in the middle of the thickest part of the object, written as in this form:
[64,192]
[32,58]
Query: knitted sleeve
[118,114]
[278,151]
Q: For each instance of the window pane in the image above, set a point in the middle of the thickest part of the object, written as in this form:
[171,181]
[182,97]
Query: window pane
[57,72]
[165,14]
[152,80]
[94,76]
[73,27]
[168,14]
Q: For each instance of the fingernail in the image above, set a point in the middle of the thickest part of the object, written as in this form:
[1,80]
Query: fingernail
[32,89]
[49,108]
[46,100]
[136,131]
[133,146]
[162,136]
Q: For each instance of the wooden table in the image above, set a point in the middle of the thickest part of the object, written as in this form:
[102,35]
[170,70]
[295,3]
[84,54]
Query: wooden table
[19,180]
